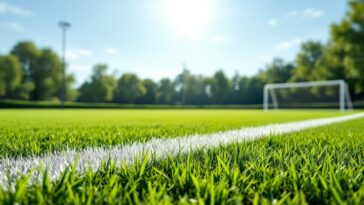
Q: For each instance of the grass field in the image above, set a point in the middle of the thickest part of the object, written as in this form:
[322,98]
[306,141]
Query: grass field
[25,132]
[322,165]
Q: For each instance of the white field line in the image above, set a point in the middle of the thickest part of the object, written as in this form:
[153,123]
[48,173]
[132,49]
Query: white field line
[92,157]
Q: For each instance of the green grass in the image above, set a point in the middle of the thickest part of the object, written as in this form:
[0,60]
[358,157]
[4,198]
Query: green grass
[317,166]
[36,132]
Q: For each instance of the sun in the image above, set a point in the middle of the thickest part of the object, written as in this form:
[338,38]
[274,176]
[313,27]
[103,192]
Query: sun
[189,18]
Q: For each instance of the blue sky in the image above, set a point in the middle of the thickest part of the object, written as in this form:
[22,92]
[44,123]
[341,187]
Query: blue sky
[154,37]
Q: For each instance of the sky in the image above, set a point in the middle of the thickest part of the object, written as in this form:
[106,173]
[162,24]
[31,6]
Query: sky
[153,38]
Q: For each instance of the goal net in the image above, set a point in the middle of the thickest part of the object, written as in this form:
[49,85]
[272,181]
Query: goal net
[316,94]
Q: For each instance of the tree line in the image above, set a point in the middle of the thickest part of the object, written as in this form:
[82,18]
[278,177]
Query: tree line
[32,73]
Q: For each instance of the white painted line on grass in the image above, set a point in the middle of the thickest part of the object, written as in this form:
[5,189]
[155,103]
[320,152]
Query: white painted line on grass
[92,157]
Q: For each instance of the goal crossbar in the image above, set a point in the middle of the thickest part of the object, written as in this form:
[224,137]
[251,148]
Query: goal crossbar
[344,96]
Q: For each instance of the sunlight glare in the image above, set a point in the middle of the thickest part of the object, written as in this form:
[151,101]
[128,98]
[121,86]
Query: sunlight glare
[188,17]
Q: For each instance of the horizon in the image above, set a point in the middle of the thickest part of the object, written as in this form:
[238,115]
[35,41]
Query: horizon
[153,40]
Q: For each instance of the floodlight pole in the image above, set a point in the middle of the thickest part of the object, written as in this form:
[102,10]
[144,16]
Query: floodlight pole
[64,26]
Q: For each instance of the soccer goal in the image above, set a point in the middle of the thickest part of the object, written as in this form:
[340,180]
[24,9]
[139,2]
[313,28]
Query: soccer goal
[316,94]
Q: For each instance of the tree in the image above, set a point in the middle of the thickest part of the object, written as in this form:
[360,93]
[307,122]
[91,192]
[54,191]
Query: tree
[250,90]
[220,87]
[150,94]
[235,88]
[129,89]
[308,63]
[179,84]
[330,66]
[195,90]
[47,76]
[348,40]
[276,72]
[71,93]
[28,54]
[41,68]
[165,92]
[11,75]
[100,88]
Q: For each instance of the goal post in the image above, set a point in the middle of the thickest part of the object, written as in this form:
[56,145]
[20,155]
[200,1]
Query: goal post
[344,98]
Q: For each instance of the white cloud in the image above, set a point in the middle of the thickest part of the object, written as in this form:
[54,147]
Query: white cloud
[288,44]
[6,8]
[111,50]
[13,26]
[219,39]
[305,13]
[308,13]
[80,67]
[77,53]
[313,13]
[71,56]
[272,22]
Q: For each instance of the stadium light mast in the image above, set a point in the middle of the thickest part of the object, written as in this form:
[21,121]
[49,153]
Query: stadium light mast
[64,26]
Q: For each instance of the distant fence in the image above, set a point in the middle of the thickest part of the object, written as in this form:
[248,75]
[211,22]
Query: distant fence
[19,104]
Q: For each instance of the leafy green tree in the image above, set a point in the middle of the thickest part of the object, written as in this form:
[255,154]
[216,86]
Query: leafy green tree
[11,75]
[240,91]
[100,88]
[195,90]
[41,68]
[150,94]
[348,40]
[71,93]
[179,84]
[330,66]
[276,72]
[129,89]
[28,54]
[165,92]
[235,87]
[220,87]
[308,62]
[47,76]
[250,90]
